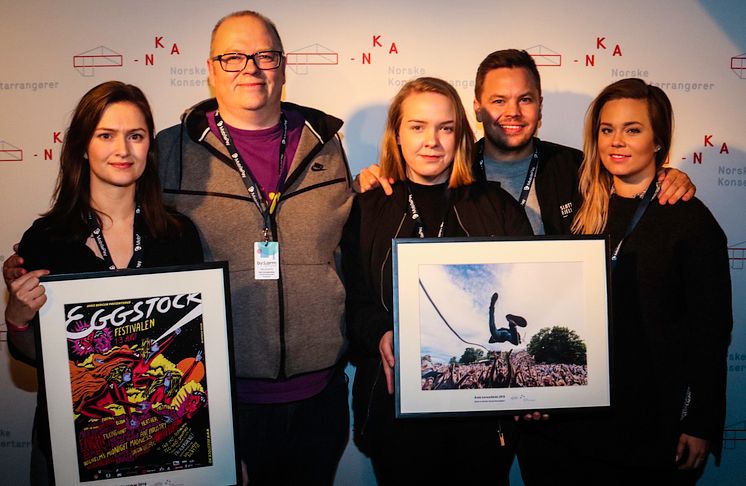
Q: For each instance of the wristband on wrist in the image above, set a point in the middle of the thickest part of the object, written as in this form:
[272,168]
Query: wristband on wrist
[14,327]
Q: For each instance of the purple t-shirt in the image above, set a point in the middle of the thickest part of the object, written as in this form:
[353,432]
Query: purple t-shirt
[283,391]
[260,151]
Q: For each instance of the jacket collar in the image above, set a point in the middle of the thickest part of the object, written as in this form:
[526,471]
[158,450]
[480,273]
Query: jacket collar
[319,129]
[323,126]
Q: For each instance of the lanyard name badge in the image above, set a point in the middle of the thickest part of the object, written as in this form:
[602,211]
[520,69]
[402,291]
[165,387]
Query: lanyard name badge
[98,236]
[266,252]
[415,215]
[530,175]
[651,191]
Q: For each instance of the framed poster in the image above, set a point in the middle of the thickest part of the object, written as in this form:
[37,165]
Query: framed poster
[137,375]
[501,325]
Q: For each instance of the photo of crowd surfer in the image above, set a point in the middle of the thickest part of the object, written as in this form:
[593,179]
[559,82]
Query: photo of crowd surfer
[471,339]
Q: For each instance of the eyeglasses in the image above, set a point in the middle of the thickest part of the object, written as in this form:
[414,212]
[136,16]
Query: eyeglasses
[233,62]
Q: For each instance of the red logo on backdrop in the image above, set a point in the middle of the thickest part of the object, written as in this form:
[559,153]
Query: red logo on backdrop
[737,255]
[544,56]
[98,57]
[314,55]
[9,152]
[738,65]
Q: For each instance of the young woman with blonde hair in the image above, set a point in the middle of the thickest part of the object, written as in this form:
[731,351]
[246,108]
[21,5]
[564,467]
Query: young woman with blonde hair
[427,150]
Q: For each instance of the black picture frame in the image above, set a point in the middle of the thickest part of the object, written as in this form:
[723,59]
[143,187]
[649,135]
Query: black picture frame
[138,377]
[553,289]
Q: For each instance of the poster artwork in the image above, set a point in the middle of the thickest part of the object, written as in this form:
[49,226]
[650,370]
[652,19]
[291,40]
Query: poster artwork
[139,390]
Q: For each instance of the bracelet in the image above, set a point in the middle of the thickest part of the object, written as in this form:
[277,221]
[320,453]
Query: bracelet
[14,327]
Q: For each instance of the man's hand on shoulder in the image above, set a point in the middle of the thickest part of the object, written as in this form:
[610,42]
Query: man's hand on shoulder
[675,186]
[12,267]
[370,178]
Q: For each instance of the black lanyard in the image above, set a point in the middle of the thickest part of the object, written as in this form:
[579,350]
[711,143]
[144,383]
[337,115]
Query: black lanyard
[415,215]
[243,169]
[641,207]
[530,174]
[98,236]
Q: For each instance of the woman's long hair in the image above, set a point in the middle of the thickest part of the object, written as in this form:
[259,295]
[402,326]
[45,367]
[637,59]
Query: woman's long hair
[68,216]
[595,181]
[392,163]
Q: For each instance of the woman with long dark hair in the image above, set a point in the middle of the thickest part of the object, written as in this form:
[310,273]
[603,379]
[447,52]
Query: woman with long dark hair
[107,213]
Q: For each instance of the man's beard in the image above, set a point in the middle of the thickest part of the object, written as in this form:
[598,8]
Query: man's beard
[500,145]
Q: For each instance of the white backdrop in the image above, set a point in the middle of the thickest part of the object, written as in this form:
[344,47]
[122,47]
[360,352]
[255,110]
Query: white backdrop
[349,59]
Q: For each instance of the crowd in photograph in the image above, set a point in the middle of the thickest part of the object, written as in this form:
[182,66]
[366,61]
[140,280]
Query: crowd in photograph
[500,370]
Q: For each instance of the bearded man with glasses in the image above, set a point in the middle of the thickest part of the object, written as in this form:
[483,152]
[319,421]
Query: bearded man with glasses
[268,185]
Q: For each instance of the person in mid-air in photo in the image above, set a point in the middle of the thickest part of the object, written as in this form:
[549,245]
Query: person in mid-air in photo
[510,333]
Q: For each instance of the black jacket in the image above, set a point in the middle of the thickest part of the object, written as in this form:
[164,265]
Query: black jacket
[481,209]
[41,247]
[556,184]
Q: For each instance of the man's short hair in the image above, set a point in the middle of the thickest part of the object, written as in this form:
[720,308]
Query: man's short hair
[248,13]
[506,58]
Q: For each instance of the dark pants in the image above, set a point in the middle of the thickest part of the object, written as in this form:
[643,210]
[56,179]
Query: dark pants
[298,442]
[41,452]
[443,451]
[548,462]
[432,450]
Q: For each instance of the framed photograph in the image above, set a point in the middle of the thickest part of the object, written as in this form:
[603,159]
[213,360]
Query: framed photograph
[138,378]
[501,325]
